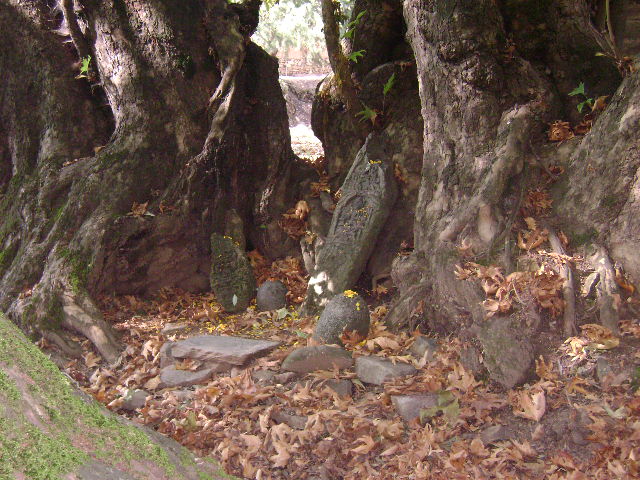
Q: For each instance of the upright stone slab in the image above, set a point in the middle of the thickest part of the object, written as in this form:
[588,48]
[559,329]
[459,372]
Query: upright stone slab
[232,278]
[368,193]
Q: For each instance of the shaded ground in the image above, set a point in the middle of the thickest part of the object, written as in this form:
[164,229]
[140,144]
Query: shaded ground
[578,418]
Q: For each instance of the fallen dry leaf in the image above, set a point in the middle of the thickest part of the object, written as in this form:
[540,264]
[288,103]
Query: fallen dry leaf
[532,405]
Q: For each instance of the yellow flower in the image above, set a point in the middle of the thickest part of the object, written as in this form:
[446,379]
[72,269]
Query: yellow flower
[350,293]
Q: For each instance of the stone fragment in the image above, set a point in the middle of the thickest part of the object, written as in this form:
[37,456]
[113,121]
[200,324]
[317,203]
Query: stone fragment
[221,348]
[232,278]
[368,193]
[284,377]
[344,312]
[508,355]
[171,328]
[134,399]
[183,395]
[424,345]
[317,357]
[171,377]
[272,295]
[294,421]
[165,354]
[343,387]
[612,375]
[409,406]
[603,368]
[470,360]
[264,377]
[376,370]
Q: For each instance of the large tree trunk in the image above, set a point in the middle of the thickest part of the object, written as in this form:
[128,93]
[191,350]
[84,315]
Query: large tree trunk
[490,83]
[190,122]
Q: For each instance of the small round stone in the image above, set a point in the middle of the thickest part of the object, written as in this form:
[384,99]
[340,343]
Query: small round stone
[272,295]
[344,312]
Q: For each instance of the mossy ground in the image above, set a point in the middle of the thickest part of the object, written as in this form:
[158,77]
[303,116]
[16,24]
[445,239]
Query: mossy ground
[71,426]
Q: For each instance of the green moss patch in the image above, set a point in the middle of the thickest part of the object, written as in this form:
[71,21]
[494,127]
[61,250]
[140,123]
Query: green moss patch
[72,420]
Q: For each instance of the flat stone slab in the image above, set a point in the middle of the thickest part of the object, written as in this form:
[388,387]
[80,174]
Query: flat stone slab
[409,406]
[424,346]
[376,370]
[171,328]
[344,388]
[221,348]
[172,377]
[165,354]
[317,357]
[134,399]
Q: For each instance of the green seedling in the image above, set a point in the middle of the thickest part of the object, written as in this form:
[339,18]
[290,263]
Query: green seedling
[579,90]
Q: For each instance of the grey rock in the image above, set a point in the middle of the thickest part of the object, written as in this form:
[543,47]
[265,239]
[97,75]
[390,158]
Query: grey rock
[171,328]
[508,355]
[272,295]
[424,345]
[368,193]
[603,368]
[232,278]
[613,375]
[164,354]
[264,377]
[183,395]
[343,387]
[221,348]
[376,370]
[409,406]
[317,357]
[470,360]
[294,421]
[342,313]
[284,377]
[134,399]
[171,377]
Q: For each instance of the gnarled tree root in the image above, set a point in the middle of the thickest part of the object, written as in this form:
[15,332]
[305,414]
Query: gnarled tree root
[82,316]
[59,341]
[568,289]
[607,289]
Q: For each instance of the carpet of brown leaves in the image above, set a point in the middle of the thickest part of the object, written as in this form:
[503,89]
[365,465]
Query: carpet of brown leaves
[564,425]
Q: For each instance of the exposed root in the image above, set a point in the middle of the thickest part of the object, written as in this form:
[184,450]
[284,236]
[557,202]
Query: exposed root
[80,315]
[229,45]
[402,310]
[568,289]
[59,341]
[515,128]
[607,289]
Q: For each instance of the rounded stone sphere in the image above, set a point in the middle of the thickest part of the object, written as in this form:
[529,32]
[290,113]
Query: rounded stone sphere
[344,312]
[272,295]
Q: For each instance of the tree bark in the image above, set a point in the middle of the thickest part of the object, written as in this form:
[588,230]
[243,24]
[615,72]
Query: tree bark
[489,85]
[68,234]
[340,66]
